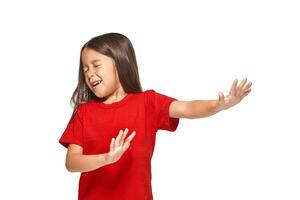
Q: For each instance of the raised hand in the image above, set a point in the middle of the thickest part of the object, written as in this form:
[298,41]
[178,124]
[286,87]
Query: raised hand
[236,94]
[118,146]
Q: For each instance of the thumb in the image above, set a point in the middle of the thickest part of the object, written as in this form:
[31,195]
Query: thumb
[221,98]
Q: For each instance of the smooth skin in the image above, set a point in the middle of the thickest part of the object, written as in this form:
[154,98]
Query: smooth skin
[118,146]
[77,162]
[204,108]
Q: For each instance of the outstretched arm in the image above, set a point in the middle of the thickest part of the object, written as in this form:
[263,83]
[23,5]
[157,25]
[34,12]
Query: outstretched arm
[204,108]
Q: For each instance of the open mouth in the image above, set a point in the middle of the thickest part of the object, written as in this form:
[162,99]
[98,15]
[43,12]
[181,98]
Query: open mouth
[96,83]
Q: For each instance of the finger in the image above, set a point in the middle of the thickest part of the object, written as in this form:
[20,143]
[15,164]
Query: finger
[241,85]
[126,145]
[112,145]
[247,86]
[123,137]
[118,139]
[130,137]
[233,87]
[240,90]
[246,93]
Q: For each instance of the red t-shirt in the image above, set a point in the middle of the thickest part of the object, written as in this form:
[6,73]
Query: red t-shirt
[96,123]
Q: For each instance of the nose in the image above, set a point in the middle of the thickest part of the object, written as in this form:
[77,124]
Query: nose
[90,73]
[90,78]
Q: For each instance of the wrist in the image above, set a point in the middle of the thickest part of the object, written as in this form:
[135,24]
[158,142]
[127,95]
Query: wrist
[218,107]
[104,159]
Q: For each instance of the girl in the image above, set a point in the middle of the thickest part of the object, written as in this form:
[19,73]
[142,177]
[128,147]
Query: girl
[111,105]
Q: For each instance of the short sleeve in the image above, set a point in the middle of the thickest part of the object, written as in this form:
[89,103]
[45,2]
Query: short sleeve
[160,105]
[73,133]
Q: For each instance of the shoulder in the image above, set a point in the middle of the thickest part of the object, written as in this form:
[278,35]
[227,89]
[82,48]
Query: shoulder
[150,93]
[158,98]
[83,106]
[87,104]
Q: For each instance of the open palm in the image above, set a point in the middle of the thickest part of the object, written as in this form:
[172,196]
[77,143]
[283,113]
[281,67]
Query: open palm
[118,146]
[236,94]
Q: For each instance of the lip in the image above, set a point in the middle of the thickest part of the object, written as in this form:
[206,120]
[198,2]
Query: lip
[92,83]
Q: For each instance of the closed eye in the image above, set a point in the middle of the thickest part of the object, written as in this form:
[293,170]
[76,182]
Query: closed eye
[85,69]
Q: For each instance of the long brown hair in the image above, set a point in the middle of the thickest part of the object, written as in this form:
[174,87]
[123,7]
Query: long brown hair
[119,48]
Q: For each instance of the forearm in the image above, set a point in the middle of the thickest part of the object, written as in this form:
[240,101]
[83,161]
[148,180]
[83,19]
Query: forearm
[201,108]
[85,163]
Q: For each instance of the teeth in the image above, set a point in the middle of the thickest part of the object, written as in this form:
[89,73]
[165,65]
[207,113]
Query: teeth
[96,83]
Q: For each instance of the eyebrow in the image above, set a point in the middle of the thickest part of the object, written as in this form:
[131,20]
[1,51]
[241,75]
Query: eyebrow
[95,60]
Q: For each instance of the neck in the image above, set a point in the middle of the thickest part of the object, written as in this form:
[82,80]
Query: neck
[115,96]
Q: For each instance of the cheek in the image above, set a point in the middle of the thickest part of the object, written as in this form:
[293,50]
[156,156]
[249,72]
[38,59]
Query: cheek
[111,82]
[86,79]
[110,77]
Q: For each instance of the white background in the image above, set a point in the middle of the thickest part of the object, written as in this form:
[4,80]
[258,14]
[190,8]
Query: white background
[188,50]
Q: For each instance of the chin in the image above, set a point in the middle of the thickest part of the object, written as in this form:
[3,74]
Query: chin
[99,95]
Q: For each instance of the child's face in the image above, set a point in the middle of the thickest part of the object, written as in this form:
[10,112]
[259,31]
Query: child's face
[99,67]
